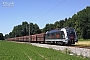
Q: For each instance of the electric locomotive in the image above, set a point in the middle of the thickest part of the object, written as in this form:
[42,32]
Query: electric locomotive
[64,36]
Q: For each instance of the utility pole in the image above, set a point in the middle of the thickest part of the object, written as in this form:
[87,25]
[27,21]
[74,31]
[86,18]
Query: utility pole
[29,31]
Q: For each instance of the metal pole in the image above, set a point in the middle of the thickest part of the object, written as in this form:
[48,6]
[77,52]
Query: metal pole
[29,31]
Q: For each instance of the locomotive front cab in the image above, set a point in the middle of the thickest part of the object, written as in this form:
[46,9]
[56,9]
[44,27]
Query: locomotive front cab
[70,35]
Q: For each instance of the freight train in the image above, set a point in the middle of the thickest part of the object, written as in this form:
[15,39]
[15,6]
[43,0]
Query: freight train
[63,36]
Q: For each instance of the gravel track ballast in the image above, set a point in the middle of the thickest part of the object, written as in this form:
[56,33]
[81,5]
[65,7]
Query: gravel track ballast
[73,50]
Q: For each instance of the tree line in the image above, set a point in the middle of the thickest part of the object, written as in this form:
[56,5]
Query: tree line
[79,21]
[23,30]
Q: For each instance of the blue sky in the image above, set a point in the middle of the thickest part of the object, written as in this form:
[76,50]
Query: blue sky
[35,11]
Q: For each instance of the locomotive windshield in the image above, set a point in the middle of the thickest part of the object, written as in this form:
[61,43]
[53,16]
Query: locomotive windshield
[71,33]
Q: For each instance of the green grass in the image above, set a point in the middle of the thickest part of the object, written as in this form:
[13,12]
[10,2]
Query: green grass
[18,51]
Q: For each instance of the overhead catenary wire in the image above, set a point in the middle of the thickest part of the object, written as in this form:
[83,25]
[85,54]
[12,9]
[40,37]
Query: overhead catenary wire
[51,9]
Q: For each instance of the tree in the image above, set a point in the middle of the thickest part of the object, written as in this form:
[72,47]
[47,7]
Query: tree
[25,28]
[6,36]
[36,29]
[1,36]
[56,24]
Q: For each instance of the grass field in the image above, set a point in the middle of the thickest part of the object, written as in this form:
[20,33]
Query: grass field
[18,51]
[83,42]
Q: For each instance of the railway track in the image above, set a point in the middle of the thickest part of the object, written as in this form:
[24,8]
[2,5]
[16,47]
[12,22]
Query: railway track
[80,46]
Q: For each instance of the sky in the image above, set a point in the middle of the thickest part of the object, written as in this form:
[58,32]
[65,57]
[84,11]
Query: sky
[41,12]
